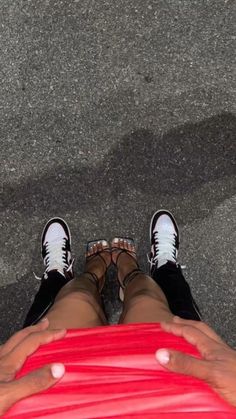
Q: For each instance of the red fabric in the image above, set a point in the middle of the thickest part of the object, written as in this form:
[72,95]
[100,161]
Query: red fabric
[111,372]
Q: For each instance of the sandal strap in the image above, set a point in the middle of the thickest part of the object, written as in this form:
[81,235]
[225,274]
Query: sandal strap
[99,254]
[129,252]
[130,276]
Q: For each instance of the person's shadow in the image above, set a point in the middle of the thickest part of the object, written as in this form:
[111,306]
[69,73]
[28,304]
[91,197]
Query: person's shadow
[142,173]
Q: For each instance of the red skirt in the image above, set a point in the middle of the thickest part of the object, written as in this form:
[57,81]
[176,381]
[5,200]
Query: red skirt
[111,372]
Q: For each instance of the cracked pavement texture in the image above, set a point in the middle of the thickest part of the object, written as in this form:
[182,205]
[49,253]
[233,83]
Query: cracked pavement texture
[108,112]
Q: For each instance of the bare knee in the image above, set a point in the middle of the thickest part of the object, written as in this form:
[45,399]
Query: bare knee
[86,301]
[145,308]
[77,296]
[78,289]
[144,295]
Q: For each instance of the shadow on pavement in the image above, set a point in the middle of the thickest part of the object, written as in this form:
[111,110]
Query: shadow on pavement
[141,173]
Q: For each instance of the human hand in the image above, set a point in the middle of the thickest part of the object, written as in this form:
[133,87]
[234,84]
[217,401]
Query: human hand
[14,353]
[218,364]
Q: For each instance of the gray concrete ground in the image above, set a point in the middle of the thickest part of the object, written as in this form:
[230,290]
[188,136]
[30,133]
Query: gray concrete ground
[109,111]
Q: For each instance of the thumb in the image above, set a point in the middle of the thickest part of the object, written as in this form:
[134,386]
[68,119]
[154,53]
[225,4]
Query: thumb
[33,383]
[184,364]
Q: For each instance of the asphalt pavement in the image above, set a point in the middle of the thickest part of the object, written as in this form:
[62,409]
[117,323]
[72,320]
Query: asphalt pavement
[108,112]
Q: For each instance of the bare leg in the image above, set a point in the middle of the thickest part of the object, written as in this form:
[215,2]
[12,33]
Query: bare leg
[144,301]
[78,304]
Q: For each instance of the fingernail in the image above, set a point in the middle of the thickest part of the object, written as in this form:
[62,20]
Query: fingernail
[58,370]
[116,240]
[163,356]
[104,243]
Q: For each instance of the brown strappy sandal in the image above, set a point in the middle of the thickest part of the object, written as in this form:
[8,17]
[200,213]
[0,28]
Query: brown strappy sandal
[90,255]
[132,274]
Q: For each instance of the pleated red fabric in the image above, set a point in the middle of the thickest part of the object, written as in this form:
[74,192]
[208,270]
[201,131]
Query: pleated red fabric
[111,372]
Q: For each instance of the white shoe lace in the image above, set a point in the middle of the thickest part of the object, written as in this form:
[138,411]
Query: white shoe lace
[55,258]
[164,247]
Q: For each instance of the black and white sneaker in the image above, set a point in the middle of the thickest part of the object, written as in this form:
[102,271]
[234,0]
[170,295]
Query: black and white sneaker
[56,248]
[164,238]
